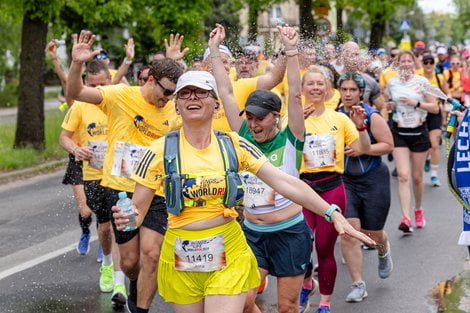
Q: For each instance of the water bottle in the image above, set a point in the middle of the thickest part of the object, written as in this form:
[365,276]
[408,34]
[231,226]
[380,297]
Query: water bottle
[126,207]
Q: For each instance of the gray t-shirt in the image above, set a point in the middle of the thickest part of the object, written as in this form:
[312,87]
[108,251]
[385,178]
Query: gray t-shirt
[372,90]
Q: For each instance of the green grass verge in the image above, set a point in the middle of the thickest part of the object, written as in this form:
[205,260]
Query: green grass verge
[12,159]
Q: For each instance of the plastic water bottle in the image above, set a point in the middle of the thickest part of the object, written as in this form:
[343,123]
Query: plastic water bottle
[126,207]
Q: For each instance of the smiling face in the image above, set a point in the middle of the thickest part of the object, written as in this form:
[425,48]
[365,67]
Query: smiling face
[350,93]
[262,128]
[195,104]
[314,87]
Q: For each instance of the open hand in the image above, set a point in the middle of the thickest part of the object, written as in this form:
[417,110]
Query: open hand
[343,228]
[81,50]
[173,49]
[358,115]
[130,49]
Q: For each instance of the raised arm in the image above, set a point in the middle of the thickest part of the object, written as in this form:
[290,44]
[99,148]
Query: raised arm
[81,52]
[224,86]
[272,78]
[51,50]
[295,112]
[120,76]
[299,192]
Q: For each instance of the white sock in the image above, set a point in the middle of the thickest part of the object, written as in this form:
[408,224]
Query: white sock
[119,277]
[434,168]
[107,259]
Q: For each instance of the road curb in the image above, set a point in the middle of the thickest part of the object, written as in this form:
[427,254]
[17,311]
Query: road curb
[11,176]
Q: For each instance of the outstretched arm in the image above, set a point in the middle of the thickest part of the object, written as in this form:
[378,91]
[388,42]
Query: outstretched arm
[81,52]
[224,86]
[299,192]
[120,76]
[51,50]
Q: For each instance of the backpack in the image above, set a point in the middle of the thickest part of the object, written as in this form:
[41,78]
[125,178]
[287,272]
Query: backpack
[173,177]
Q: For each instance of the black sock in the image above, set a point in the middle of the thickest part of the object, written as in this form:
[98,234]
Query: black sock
[133,290]
[140,310]
[85,223]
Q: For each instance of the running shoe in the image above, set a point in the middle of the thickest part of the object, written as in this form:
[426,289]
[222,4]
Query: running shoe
[427,166]
[358,292]
[385,264]
[131,304]
[119,296]
[394,172]
[264,284]
[419,218]
[305,295]
[323,309]
[405,226]
[435,182]
[99,257]
[83,246]
[107,278]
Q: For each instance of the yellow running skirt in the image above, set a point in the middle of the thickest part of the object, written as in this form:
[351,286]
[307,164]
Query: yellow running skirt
[239,275]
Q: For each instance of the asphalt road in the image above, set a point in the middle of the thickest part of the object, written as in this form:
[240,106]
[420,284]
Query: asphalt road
[40,271]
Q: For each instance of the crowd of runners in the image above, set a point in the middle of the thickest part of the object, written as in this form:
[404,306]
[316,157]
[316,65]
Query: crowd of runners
[241,165]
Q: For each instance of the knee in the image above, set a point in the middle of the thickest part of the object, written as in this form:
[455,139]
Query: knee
[149,260]
[129,263]
[105,228]
[288,306]
[417,180]
[403,177]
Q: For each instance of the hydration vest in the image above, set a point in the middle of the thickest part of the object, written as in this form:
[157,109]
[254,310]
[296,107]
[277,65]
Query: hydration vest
[173,179]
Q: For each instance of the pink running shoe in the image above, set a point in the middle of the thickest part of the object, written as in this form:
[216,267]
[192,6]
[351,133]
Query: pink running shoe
[419,218]
[405,226]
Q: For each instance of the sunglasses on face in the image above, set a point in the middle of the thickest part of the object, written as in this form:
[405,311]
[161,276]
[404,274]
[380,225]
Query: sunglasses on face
[393,55]
[101,57]
[199,93]
[166,92]
[428,62]
[455,63]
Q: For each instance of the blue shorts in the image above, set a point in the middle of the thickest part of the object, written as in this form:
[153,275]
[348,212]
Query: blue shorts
[368,197]
[283,253]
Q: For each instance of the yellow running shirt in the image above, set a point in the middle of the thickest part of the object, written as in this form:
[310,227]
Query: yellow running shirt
[242,88]
[133,124]
[90,123]
[326,136]
[209,186]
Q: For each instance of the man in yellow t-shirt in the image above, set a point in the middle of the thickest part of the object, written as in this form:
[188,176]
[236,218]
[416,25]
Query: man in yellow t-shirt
[90,123]
[243,87]
[136,116]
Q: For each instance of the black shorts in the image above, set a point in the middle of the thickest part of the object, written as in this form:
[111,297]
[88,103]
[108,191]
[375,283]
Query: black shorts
[369,197]
[73,173]
[415,139]
[434,121]
[96,201]
[282,253]
[156,218]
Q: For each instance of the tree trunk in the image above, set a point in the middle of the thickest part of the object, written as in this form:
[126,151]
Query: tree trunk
[376,34]
[307,23]
[30,120]
[252,24]
[339,18]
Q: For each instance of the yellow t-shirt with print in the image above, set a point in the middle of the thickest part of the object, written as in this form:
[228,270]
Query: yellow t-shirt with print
[326,136]
[90,123]
[133,124]
[242,88]
[209,163]
[332,103]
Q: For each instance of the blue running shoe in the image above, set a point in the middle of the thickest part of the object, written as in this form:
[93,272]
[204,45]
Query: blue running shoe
[323,309]
[305,295]
[99,257]
[427,166]
[83,246]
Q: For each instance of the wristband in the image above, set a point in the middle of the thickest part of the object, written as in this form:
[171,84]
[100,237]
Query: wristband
[364,127]
[331,209]
[126,61]
[213,56]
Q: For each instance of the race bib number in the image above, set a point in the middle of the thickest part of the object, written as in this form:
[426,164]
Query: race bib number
[99,150]
[257,192]
[408,117]
[203,255]
[126,158]
[319,151]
